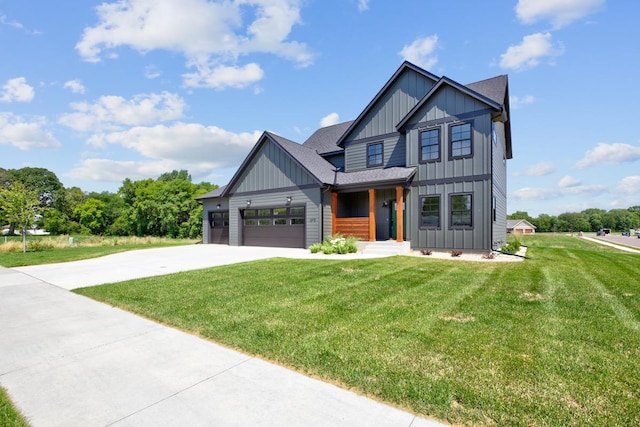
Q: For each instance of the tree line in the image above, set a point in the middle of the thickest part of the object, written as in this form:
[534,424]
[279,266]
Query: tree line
[589,220]
[165,206]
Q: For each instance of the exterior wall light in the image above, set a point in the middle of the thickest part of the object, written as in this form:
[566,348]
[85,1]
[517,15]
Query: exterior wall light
[288,199]
[248,203]
[218,206]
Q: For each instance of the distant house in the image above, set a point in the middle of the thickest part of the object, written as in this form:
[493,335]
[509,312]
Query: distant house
[520,226]
[425,161]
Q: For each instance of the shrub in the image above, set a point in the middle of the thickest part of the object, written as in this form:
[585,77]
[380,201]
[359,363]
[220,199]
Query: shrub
[456,253]
[335,245]
[512,247]
[315,248]
[426,252]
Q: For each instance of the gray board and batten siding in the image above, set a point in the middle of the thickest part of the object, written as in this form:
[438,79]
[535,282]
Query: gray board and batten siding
[466,175]
[268,180]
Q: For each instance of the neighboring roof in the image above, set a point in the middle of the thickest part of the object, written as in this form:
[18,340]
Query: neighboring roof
[513,223]
[212,194]
[405,65]
[325,139]
[447,81]
[395,174]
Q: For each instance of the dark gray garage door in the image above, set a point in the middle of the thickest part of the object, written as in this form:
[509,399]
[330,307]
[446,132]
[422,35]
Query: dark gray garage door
[277,227]
[219,227]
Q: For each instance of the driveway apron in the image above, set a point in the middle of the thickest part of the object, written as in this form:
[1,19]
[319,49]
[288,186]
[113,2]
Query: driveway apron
[67,360]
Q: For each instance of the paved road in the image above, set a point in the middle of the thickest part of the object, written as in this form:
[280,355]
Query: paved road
[617,242]
[70,361]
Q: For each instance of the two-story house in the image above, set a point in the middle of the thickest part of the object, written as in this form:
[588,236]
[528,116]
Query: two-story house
[425,161]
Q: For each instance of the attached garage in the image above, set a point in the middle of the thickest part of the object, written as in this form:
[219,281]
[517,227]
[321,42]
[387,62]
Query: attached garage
[275,227]
[219,227]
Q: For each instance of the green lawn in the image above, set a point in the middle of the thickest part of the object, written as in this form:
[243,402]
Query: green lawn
[553,340]
[9,416]
[53,250]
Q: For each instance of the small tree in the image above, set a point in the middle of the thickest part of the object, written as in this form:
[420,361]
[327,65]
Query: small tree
[20,206]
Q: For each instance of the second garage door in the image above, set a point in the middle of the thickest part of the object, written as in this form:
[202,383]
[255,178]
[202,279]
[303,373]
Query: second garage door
[276,227]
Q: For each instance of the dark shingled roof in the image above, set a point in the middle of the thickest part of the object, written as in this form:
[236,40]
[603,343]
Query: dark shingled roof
[324,139]
[494,88]
[212,194]
[398,174]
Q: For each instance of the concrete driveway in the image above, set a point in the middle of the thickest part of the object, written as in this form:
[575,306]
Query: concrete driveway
[67,360]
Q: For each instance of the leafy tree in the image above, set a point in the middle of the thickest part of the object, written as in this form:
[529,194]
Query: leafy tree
[44,182]
[91,216]
[20,206]
[521,215]
[174,175]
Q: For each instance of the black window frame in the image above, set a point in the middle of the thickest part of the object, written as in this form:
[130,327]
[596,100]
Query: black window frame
[430,227]
[452,212]
[376,155]
[421,146]
[451,141]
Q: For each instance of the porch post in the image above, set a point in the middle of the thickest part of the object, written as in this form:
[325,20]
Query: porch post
[399,216]
[372,215]
[334,213]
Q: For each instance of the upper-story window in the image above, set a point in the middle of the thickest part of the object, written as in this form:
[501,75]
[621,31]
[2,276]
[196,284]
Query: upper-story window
[460,137]
[430,145]
[374,154]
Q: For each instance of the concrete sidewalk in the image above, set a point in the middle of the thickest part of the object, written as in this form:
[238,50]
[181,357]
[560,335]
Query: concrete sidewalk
[67,360]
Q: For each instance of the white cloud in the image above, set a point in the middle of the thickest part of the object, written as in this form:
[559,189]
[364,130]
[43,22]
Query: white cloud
[111,112]
[530,193]
[76,86]
[535,193]
[629,185]
[17,90]
[151,72]
[96,169]
[559,12]
[517,102]
[363,5]
[187,143]
[528,54]
[330,119]
[25,135]
[421,52]
[207,33]
[609,154]
[223,76]
[539,169]
[568,181]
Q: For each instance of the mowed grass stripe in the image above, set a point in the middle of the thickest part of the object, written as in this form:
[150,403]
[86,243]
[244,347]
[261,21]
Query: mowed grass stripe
[531,343]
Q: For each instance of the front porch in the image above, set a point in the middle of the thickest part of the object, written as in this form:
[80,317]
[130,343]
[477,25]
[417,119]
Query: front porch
[375,214]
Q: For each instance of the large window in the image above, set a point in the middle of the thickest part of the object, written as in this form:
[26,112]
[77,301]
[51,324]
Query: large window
[460,136]
[430,211]
[430,145]
[374,154]
[461,211]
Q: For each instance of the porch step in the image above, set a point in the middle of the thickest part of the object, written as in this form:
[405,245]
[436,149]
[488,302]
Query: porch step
[384,248]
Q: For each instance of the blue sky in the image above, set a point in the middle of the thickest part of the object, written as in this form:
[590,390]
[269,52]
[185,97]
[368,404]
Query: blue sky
[100,91]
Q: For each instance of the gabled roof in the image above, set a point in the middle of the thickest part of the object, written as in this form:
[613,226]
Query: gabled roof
[442,82]
[325,139]
[513,223]
[321,170]
[406,65]
[307,158]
